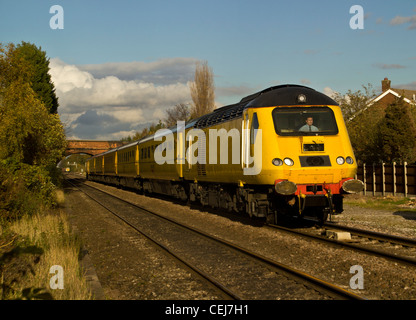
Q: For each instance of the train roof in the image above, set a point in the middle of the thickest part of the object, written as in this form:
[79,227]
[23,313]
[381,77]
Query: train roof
[286,95]
[283,95]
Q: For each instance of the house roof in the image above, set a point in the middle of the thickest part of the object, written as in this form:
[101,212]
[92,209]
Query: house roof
[408,95]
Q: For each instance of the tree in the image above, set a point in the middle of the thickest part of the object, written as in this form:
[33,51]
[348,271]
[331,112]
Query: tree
[28,132]
[32,140]
[12,67]
[397,133]
[145,132]
[41,82]
[362,119]
[179,112]
[353,103]
[202,90]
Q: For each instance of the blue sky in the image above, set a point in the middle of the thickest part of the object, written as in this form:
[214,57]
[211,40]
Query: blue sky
[118,65]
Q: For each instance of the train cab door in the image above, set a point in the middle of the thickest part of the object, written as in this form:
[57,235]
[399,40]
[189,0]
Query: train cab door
[251,148]
[245,140]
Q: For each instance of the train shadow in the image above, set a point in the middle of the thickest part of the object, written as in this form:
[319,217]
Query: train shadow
[408,215]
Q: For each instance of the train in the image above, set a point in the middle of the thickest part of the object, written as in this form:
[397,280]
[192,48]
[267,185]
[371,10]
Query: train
[282,151]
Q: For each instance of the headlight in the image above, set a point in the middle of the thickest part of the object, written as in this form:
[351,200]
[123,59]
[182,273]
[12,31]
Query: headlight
[277,162]
[289,162]
[349,160]
[340,160]
[285,187]
[301,98]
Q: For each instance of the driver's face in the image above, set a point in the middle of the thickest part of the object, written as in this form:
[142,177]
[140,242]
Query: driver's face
[309,121]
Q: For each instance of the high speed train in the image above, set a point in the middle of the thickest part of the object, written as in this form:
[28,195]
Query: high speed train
[282,151]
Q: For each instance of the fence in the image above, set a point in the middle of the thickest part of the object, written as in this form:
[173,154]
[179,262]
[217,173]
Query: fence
[394,179]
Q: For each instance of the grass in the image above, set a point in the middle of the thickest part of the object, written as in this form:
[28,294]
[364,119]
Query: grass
[382,202]
[29,247]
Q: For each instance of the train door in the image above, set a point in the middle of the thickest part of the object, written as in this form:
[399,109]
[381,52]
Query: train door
[136,160]
[116,163]
[251,149]
[180,148]
[245,140]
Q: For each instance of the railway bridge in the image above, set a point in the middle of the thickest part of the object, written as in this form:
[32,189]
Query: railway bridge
[91,147]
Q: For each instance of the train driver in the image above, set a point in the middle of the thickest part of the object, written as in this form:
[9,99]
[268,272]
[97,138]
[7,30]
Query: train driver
[308,127]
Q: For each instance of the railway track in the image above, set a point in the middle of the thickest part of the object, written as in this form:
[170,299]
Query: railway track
[237,272]
[392,247]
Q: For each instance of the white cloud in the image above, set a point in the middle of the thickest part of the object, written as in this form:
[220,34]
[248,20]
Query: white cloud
[125,114]
[108,105]
[407,86]
[68,77]
[329,92]
[163,71]
[385,66]
[159,114]
[398,20]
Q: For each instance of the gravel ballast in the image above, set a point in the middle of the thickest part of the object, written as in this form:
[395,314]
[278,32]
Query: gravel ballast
[130,268]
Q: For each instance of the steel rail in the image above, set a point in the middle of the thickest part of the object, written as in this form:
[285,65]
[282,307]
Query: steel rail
[404,241]
[203,274]
[340,292]
[372,251]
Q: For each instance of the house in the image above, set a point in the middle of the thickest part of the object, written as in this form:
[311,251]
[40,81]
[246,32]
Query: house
[389,95]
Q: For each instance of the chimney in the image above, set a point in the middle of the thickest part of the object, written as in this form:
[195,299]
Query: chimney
[385,84]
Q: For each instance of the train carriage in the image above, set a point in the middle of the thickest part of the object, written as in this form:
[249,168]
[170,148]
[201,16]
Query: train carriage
[127,165]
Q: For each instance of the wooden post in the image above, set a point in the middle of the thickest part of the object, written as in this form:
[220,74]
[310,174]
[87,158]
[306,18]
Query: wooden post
[394,179]
[405,178]
[383,179]
[374,179]
[365,185]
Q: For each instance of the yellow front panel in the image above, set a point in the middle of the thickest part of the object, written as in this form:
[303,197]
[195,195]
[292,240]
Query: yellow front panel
[275,146]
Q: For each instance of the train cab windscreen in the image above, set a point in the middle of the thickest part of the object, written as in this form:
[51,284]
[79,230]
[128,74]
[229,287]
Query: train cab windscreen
[300,121]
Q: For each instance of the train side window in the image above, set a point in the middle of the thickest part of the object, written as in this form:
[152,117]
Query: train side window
[254,126]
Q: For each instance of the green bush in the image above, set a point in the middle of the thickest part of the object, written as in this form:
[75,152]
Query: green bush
[24,190]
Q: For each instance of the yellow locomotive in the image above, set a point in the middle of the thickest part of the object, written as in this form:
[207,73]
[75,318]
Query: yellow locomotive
[283,150]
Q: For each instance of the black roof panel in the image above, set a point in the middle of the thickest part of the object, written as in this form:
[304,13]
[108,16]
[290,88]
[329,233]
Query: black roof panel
[283,95]
[286,95]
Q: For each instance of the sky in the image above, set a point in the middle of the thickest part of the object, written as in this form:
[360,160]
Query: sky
[118,65]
